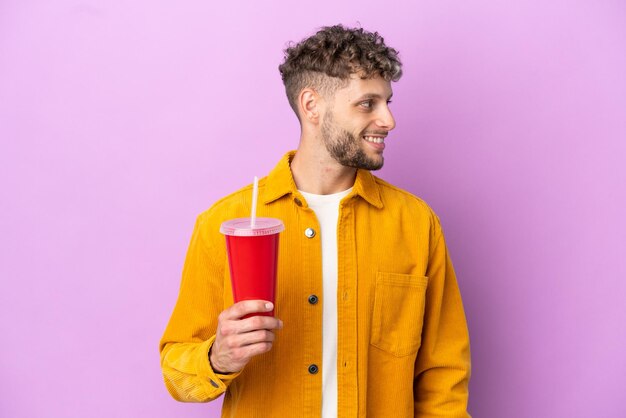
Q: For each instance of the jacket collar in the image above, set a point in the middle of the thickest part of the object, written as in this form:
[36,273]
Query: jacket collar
[280,183]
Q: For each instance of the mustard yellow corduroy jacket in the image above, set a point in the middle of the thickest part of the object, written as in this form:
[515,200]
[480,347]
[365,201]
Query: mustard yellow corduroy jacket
[403,343]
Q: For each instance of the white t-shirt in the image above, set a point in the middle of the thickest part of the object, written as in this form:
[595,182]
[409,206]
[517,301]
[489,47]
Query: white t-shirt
[326,208]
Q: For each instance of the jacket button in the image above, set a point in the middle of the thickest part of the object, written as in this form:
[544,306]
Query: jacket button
[309,232]
[313,368]
[313,299]
[297,201]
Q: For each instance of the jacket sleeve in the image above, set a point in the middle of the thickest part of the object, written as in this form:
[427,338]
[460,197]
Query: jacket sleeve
[190,332]
[442,367]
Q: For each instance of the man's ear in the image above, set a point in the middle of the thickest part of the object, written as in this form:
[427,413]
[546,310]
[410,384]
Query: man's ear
[310,103]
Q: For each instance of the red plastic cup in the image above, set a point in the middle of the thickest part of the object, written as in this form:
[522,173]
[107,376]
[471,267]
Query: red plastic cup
[253,258]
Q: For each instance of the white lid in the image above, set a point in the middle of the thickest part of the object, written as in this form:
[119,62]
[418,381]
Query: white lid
[241,227]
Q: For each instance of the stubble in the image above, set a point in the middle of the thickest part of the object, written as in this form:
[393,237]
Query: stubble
[344,147]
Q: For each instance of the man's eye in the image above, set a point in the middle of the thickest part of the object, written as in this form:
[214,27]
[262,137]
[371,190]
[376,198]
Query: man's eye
[389,101]
[367,104]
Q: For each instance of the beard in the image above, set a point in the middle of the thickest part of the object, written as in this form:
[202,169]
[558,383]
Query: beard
[344,147]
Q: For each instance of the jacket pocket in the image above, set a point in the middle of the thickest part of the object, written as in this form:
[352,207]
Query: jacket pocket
[398,312]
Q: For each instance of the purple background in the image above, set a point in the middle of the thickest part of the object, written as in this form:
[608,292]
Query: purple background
[121,121]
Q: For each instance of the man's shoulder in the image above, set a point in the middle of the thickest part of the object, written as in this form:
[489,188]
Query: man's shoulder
[401,203]
[397,197]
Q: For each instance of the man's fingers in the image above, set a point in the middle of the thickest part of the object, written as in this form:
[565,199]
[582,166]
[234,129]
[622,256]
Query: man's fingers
[261,336]
[259,322]
[254,323]
[256,349]
[246,307]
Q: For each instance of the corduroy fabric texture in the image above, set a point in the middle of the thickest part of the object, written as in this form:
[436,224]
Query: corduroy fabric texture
[403,343]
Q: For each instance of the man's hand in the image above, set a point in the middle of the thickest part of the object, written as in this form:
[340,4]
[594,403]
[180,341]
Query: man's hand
[238,340]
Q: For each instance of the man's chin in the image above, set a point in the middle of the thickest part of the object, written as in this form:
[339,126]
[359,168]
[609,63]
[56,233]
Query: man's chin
[368,164]
[372,162]
[375,163]
[376,166]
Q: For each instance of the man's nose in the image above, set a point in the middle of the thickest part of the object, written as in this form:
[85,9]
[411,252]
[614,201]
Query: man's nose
[385,119]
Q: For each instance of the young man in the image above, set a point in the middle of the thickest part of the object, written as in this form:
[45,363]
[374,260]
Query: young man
[369,319]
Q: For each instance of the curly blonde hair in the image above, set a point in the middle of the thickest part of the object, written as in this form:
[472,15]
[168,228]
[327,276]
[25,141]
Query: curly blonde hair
[326,60]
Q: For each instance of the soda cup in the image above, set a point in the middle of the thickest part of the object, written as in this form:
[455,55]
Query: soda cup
[253,258]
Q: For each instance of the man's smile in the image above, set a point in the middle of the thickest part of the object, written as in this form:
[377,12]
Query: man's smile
[375,141]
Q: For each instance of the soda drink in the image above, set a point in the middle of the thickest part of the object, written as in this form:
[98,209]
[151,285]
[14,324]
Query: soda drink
[253,258]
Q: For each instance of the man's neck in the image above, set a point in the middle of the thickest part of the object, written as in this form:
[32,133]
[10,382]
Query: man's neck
[316,172]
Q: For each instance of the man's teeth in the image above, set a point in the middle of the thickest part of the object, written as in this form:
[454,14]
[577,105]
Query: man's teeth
[374,139]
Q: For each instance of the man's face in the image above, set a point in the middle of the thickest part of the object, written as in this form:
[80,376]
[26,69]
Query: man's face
[356,121]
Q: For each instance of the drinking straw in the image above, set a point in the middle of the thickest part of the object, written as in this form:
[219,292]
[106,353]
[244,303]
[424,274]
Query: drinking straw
[255,194]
